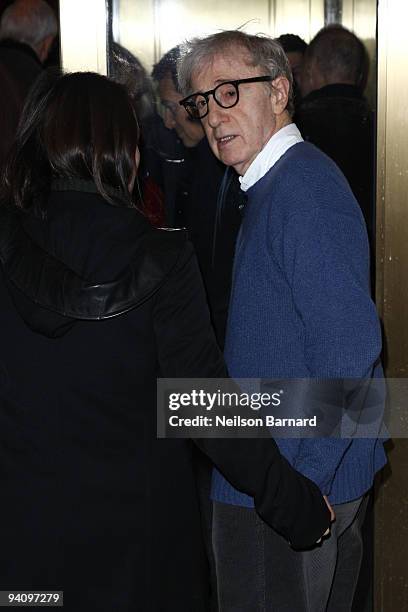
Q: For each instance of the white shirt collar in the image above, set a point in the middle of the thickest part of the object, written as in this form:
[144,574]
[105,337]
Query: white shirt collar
[276,146]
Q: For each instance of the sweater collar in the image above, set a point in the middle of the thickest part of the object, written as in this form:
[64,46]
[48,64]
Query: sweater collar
[276,146]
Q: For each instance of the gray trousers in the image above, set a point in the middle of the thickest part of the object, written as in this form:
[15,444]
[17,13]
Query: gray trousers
[257,571]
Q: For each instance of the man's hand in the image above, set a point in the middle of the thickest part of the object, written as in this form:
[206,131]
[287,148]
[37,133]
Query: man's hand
[332,515]
[332,518]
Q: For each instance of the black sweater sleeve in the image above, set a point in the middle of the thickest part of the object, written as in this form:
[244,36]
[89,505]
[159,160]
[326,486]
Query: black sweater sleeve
[287,501]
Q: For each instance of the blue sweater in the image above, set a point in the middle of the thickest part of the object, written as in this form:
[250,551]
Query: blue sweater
[301,308]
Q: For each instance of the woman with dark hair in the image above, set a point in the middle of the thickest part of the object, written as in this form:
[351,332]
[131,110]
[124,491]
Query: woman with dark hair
[94,305]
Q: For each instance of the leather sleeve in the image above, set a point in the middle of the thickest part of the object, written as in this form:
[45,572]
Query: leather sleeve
[287,501]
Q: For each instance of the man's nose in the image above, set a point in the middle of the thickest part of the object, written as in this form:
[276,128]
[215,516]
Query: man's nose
[216,114]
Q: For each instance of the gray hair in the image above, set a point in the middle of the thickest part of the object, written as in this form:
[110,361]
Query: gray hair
[29,22]
[261,51]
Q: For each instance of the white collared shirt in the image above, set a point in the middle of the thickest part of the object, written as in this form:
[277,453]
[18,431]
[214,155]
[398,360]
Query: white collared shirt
[276,146]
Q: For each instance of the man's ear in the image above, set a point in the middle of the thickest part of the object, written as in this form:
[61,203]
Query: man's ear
[44,47]
[280,94]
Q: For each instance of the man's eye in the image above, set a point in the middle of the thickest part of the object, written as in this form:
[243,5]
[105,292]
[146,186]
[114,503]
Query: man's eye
[226,95]
[227,90]
[201,103]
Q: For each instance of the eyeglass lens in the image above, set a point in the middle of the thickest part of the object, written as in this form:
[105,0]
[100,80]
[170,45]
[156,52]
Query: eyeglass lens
[225,94]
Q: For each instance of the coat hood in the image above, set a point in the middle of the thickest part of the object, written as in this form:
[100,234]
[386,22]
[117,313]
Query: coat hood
[74,256]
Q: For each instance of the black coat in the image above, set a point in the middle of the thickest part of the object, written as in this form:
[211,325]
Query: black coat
[338,120]
[203,196]
[22,63]
[92,503]
[19,68]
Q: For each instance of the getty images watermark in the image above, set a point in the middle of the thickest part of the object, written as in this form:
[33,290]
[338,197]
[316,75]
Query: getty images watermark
[219,400]
[255,408]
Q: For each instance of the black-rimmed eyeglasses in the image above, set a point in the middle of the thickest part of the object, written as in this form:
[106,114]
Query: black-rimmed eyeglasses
[225,94]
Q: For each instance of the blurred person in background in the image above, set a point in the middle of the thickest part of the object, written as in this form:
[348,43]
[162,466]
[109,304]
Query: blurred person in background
[92,502]
[335,116]
[165,74]
[183,179]
[295,48]
[126,69]
[200,194]
[12,100]
[27,31]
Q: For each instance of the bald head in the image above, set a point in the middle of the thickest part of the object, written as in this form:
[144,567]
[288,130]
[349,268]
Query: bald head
[32,22]
[335,55]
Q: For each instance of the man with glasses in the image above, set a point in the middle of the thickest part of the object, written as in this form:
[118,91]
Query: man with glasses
[300,308]
[164,74]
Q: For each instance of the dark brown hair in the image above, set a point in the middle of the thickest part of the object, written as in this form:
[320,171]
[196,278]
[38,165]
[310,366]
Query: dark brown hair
[74,126]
